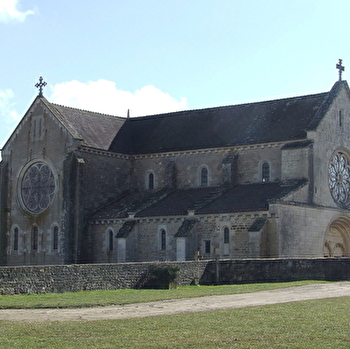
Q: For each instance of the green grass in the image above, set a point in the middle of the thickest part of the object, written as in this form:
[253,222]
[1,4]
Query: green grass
[317,324]
[129,296]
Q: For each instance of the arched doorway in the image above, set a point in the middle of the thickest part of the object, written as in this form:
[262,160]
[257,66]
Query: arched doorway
[337,240]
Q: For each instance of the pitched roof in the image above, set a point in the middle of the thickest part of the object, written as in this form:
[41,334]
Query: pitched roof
[130,203]
[180,201]
[270,121]
[204,200]
[298,144]
[257,224]
[185,228]
[250,197]
[125,230]
[327,102]
[94,129]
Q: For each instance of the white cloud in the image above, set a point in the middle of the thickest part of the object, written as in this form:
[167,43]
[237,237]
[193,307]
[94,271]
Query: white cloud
[9,11]
[8,113]
[104,97]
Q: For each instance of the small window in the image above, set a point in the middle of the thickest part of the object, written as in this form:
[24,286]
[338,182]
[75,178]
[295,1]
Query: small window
[265,171]
[151,181]
[207,246]
[35,239]
[226,235]
[340,116]
[204,177]
[110,241]
[163,240]
[15,239]
[55,238]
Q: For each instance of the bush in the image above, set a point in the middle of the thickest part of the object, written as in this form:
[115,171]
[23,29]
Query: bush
[162,277]
[166,274]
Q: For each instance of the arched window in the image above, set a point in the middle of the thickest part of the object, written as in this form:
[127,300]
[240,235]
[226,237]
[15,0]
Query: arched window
[207,246]
[35,239]
[204,177]
[15,239]
[265,172]
[55,238]
[163,240]
[151,181]
[226,235]
[110,240]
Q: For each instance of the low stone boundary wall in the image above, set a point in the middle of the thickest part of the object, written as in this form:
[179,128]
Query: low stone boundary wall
[65,278]
[76,277]
[275,270]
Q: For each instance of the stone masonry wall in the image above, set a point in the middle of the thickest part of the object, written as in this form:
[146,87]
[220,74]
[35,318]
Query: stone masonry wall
[65,278]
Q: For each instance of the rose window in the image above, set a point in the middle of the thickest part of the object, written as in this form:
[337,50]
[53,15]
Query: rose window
[38,188]
[339,179]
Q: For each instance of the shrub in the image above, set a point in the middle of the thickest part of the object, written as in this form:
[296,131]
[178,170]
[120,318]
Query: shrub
[162,277]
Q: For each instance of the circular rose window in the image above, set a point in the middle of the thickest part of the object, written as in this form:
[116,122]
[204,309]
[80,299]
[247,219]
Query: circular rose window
[37,188]
[339,179]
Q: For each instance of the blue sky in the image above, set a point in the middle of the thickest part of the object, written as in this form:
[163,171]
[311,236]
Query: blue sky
[153,56]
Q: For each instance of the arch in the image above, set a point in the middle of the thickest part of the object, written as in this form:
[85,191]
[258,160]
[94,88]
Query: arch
[226,235]
[337,238]
[110,240]
[204,176]
[265,172]
[163,239]
[35,238]
[150,180]
[15,239]
[55,238]
[226,239]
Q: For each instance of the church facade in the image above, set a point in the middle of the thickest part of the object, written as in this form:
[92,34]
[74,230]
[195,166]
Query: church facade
[258,180]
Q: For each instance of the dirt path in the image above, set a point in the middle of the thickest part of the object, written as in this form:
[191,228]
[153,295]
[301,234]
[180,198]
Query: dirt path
[292,294]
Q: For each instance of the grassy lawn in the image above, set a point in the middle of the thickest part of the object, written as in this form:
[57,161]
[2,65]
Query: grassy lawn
[317,324]
[129,296]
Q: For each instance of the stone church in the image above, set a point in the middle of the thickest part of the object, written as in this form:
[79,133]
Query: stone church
[255,180]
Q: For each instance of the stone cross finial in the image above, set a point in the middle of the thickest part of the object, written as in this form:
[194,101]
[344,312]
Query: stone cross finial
[40,86]
[340,68]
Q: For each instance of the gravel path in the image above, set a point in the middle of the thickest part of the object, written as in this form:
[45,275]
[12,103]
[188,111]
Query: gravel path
[284,295]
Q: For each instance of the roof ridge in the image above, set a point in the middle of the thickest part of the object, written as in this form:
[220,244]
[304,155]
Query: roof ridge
[59,117]
[160,115]
[87,111]
[327,101]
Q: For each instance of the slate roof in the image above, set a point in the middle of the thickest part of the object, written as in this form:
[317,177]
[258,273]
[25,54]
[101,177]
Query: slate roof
[298,144]
[327,103]
[125,230]
[249,197]
[257,224]
[180,201]
[208,200]
[269,121]
[261,122]
[94,129]
[130,203]
[185,228]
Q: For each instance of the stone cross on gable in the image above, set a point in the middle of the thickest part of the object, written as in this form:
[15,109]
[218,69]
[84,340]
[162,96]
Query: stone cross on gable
[340,68]
[40,86]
